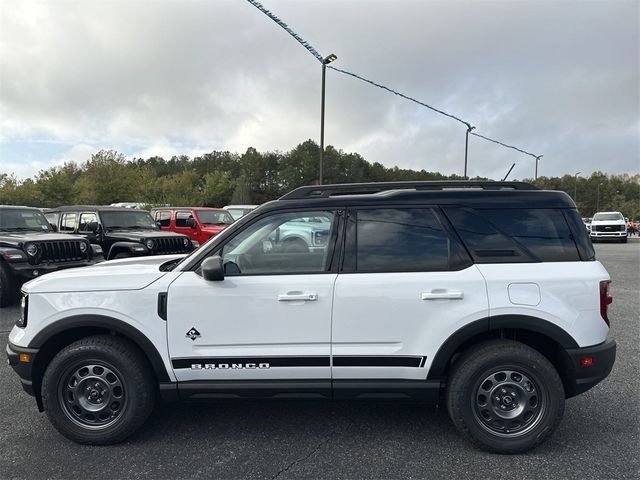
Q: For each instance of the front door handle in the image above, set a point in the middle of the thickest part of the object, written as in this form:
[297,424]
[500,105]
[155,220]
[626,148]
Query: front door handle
[442,294]
[298,297]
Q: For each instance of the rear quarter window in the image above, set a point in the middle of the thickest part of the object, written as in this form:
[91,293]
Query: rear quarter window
[515,235]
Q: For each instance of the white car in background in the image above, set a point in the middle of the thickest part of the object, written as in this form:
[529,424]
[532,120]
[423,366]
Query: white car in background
[238,211]
[608,226]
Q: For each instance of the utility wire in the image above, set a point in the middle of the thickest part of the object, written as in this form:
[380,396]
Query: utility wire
[504,145]
[469,126]
[299,39]
[319,57]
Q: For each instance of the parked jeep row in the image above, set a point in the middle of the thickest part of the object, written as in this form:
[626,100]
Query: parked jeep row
[121,232]
[30,248]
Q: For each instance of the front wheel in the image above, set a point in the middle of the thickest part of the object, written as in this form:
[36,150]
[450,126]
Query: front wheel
[505,396]
[98,390]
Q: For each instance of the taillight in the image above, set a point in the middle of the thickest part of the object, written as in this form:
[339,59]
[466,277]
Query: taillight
[605,299]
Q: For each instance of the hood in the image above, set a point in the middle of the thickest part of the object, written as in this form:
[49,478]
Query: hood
[214,228]
[125,274]
[137,235]
[608,222]
[15,239]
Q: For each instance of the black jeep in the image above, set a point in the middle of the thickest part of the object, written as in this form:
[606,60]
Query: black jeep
[121,232]
[29,248]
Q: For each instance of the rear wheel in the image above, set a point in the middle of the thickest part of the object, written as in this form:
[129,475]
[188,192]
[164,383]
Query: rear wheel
[505,397]
[98,390]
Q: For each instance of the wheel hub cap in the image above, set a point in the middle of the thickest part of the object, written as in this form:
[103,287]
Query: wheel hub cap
[508,403]
[92,395]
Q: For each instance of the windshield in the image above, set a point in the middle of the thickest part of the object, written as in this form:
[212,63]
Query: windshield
[128,219]
[23,219]
[212,217]
[607,216]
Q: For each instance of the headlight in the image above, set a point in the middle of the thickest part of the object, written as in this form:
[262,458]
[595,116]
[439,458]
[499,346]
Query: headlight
[150,244]
[24,308]
[185,241]
[83,247]
[32,249]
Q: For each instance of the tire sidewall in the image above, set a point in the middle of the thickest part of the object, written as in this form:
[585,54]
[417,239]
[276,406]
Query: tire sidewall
[131,376]
[544,376]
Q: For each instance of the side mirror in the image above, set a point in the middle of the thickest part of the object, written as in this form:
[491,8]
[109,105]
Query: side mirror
[212,269]
[53,227]
[93,227]
[190,222]
[158,224]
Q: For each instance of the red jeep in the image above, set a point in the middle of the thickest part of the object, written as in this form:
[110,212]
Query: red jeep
[199,223]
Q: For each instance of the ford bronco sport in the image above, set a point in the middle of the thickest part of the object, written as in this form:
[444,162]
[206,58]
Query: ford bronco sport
[483,295]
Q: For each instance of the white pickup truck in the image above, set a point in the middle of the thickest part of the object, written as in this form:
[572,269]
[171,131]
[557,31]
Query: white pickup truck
[608,226]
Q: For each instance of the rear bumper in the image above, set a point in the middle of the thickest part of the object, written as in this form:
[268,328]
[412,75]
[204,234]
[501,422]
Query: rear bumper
[582,377]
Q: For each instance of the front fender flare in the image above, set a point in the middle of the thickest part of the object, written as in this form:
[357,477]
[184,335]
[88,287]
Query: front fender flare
[111,324]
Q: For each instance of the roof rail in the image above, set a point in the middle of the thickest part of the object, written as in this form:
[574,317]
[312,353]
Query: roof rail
[324,191]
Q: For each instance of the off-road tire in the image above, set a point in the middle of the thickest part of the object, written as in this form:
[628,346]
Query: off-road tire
[133,376]
[8,287]
[477,378]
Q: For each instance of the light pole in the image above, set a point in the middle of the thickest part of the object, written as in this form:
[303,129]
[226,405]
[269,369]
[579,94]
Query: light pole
[325,62]
[598,199]
[575,188]
[537,158]
[466,149]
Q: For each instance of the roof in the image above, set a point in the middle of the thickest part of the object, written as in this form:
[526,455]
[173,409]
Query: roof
[75,208]
[215,209]
[21,207]
[454,193]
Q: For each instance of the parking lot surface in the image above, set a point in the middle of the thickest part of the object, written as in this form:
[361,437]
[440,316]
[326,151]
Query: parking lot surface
[598,438]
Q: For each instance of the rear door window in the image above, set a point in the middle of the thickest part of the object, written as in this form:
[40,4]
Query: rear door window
[404,240]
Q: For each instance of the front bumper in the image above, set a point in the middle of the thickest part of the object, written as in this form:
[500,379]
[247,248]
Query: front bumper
[607,234]
[23,368]
[582,377]
[25,271]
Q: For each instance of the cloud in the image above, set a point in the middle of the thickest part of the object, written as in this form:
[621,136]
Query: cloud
[185,77]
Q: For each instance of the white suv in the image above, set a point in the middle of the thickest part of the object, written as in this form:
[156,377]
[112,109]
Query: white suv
[485,295]
[608,226]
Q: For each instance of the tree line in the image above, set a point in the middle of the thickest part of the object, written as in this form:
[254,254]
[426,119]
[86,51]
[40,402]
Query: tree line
[221,177]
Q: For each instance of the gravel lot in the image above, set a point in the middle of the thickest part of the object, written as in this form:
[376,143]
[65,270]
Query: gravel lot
[598,438]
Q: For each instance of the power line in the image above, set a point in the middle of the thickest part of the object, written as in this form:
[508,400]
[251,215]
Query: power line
[286,27]
[505,145]
[322,60]
[469,126]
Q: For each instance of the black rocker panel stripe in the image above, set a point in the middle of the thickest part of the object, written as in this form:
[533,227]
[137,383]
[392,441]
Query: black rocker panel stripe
[272,361]
[303,361]
[385,361]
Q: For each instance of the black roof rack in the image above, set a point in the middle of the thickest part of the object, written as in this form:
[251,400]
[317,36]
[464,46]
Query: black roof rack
[325,191]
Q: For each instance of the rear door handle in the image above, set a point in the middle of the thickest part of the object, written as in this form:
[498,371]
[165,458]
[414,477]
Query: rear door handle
[297,297]
[440,294]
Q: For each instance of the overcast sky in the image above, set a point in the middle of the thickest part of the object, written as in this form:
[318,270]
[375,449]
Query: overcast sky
[556,78]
